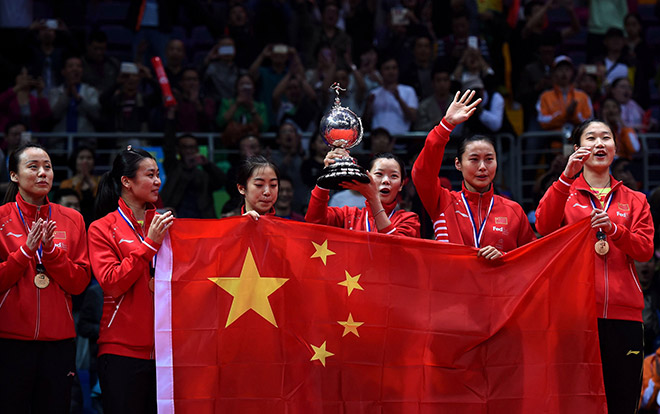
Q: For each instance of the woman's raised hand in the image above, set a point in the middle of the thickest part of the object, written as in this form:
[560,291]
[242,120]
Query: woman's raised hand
[576,161]
[159,225]
[460,109]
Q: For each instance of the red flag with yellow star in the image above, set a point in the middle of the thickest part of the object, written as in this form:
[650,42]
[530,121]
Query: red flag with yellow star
[284,317]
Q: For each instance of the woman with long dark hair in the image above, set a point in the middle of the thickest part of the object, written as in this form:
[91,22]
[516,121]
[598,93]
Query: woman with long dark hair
[43,261]
[123,246]
[474,216]
[622,234]
[258,181]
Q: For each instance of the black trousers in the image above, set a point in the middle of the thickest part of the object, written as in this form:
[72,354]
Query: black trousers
[36,376]
[128,385]
[622,354]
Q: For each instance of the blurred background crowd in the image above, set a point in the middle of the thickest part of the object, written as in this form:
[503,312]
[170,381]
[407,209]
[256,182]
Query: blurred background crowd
[252,77]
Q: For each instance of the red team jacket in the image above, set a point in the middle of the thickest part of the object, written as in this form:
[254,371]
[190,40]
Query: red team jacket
[618,293]
[507,226]
[27,312]
[120,261]
[404,223]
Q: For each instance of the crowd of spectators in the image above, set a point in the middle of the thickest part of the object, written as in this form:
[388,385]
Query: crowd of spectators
[240,69]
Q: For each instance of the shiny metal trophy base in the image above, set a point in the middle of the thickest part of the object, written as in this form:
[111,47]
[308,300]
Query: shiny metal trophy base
[339,172]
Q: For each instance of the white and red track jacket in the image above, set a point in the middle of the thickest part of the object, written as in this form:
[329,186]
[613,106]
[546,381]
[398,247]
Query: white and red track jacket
[506,225]
[618,293]
[27,312]
[120,257]
[403,223]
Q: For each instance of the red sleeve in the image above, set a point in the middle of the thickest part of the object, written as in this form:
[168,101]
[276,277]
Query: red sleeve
[13,269]
[550,212]
[525,232]
[70,268]
[318,211]
[115,273]
[636,242]
[426,170]
[407,224]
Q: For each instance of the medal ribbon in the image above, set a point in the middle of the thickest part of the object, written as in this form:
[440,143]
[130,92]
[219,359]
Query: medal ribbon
[40,250]
[125,217]
[477,236]
[607,204]
[366,218]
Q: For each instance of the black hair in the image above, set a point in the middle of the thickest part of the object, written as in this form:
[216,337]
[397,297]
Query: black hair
[579,130]
[12,124]
[73,158]
[186,135]
[618,80]
[249,165]
[125,164]
[63,192]
[389,156]
[377,131]
[99,36]
[467,140]
[12,189]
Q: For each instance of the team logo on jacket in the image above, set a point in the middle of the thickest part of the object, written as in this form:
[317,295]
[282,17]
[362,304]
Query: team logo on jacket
[17,235]
[624,206]
[125,241]
[501,220]
[59,235]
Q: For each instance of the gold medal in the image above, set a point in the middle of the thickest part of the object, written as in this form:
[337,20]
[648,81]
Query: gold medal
[41,281]
[602,247]
[151,284]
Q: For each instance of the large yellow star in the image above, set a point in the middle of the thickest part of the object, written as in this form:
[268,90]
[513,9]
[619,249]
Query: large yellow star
[322,251]
[351,283]
[250,291]
[321,353]
[350,326]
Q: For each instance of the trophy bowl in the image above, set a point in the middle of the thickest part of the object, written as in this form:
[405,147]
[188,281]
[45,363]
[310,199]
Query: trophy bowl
[341,128]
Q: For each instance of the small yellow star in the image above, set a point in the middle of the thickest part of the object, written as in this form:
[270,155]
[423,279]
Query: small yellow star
[320,353]
[350,326]
[351,283]
[322,251]
[250,291]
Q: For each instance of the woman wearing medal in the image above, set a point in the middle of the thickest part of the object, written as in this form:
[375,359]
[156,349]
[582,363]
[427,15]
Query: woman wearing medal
[43,261]
[474,216]
[623,232]
[123,247]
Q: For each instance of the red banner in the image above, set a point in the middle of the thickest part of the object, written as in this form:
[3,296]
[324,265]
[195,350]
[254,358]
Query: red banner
[284,317]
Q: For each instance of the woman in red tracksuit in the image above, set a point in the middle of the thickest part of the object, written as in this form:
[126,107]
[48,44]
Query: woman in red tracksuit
[474,216]
[623,233]
[43,253]
[123,247]
[387,175]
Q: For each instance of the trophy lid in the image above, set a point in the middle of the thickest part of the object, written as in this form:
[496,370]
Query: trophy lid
[341,127]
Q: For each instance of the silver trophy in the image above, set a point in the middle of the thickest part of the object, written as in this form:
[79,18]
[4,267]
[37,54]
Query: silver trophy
[341,128]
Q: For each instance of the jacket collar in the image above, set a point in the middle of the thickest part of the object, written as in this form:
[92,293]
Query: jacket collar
[149,214]
[32,212]
[581,184]
[271,212]
[473,196]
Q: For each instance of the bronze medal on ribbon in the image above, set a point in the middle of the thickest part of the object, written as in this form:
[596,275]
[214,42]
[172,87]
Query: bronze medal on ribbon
[151,284]
[601,246]
[41,279]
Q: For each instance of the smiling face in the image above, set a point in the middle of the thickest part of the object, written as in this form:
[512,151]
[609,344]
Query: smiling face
[144,186]
[261,190]
[599,138]
[478,164]
[34,176]
[387,175]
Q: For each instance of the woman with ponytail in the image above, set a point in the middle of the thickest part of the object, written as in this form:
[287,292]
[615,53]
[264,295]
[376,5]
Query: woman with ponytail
[123,246]
[43,261]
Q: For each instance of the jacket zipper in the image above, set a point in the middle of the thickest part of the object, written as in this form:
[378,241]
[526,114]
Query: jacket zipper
[36,329]
[5,298]
[607,288]
[115,312]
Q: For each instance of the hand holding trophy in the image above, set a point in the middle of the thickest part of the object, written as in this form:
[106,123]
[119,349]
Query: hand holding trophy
[341,128]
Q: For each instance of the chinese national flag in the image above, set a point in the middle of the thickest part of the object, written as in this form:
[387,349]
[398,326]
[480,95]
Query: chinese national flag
[277,316]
